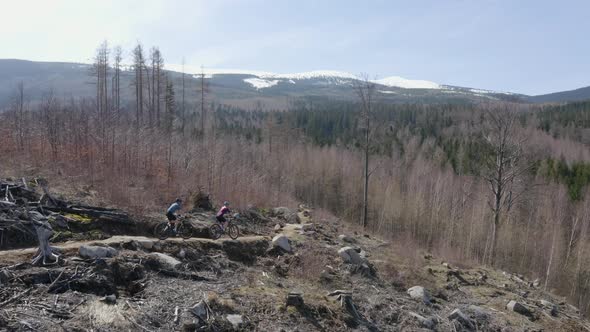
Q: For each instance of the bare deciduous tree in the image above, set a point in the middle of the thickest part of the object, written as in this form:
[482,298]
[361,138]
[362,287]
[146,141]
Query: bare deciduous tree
[505,166]
[118,52]
[365,90]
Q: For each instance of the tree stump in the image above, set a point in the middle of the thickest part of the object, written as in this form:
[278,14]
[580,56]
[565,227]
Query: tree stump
[295,299]
[44,231]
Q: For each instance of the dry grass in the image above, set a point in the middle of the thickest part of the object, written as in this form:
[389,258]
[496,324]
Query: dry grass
[310,265]
[101,314]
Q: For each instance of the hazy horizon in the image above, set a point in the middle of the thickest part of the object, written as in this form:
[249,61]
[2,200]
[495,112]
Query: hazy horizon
[533,47]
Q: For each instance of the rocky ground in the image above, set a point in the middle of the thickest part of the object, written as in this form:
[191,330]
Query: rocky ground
[289,271]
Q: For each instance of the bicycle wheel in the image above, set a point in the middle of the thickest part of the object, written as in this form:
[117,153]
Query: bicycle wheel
[233,231]
[185,231]
[161,231]
[215,231]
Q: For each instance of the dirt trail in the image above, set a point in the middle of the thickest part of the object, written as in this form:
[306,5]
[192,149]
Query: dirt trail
[72,246]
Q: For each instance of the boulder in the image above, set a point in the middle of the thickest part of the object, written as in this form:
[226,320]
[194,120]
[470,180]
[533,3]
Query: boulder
[346,238]
[278,228]
[201,311]
[518,308]
[350,256]
[165,260]
[281,241]
[420,293]
[94,252]
[462,318]
[235,320]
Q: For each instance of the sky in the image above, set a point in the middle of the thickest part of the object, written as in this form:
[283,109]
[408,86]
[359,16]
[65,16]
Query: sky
[524,46]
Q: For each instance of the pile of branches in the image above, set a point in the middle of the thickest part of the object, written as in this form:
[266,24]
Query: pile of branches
[29,214]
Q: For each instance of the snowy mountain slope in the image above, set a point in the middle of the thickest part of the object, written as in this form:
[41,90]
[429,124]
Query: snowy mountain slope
[241,88]
[400,82]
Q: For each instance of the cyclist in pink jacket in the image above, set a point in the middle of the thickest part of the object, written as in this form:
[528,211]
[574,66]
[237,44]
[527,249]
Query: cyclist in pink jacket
[223,211]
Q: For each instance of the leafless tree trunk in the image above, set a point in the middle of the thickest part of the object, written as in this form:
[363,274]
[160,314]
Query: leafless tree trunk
[138,65]
[170,111]
[150,101]
[203,90]
[365,91]
[116,102]
[117,78]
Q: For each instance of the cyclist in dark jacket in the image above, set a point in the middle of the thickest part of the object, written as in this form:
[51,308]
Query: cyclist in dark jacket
[170,213]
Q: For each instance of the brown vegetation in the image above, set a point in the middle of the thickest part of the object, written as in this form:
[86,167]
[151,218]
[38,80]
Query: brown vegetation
[411,197]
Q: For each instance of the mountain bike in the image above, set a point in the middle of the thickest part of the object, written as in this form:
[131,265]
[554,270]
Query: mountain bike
[165,230]
[216,230]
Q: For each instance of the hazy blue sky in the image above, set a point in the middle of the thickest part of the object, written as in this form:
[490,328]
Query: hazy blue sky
[522,46]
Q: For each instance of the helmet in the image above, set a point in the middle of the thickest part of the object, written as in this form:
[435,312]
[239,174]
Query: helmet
[226,203]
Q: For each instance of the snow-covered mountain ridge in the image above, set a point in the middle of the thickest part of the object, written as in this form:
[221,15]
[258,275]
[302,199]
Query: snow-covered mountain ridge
[262,79]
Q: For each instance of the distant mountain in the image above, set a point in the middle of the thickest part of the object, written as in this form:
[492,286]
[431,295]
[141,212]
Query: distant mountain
[564,96]
[247,89]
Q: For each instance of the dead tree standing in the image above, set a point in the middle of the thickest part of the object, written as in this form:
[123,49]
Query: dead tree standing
[365,91]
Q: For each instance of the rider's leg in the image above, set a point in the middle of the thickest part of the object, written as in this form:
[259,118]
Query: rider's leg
[172,224]
[222,222]
[171,218]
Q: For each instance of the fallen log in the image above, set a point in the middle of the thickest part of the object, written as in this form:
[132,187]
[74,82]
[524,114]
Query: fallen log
[100,215]
[96,208]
